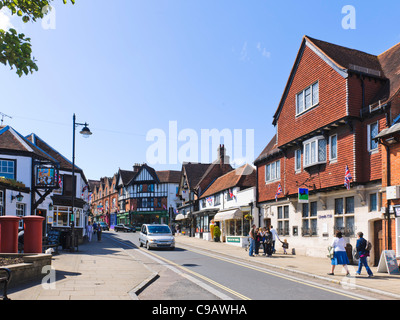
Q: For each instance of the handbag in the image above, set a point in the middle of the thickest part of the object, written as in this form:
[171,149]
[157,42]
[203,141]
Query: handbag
[330,252]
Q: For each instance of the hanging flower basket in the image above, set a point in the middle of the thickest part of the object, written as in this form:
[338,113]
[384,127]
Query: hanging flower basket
[248,217]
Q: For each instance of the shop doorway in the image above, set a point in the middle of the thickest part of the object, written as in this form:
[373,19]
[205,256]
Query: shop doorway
[378,241]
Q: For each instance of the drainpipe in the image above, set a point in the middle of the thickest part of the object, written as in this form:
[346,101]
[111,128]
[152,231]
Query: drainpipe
[389,227]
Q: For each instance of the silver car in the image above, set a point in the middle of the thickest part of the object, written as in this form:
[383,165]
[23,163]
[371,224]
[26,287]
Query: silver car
[156,236]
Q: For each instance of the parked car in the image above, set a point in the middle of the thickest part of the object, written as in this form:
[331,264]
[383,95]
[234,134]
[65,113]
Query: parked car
[156,236]
[124,228]
[104,226]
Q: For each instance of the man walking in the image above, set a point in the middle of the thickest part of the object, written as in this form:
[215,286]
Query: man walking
[252,235]
[274,237]
[363,253]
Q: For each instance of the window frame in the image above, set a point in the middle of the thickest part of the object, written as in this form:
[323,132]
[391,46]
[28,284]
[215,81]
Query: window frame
[297,166]
[371,139]
[309,153]
[303,94]
[331,158]
[14,171]
[277,169]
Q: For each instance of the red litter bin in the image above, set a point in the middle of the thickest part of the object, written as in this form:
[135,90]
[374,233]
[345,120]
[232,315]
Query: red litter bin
[33,227]
[9,234]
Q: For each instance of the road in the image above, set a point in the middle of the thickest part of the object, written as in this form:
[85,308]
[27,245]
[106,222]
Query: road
[189,273]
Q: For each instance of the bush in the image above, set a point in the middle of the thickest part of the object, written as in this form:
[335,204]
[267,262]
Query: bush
[217,233]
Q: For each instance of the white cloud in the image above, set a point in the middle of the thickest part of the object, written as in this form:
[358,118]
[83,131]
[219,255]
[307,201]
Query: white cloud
[5,19]
[263,51]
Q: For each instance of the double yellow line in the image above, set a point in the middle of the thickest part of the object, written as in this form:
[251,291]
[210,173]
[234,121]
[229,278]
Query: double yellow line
[237,294]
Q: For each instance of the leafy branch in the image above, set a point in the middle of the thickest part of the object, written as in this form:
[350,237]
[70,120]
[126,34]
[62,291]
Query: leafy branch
[16,49]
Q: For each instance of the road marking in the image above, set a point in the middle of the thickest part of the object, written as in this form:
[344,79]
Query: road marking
[237,294]
[280,275]
[170,265]
[246,265]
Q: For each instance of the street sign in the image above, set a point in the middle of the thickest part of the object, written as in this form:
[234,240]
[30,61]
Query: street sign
[303,195]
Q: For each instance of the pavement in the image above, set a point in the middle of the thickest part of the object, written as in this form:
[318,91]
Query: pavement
[104,271]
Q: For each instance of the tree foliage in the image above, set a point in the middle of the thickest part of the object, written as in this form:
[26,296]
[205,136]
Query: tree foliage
[15,48]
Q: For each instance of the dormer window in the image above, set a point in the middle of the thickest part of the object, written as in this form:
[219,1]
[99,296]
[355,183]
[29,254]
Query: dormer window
[314,151]
[307,99]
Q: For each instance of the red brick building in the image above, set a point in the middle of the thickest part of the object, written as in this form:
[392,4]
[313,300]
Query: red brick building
[334,104]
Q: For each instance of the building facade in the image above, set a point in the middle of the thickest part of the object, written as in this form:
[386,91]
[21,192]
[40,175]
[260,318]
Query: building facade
[332,108]
[149,196]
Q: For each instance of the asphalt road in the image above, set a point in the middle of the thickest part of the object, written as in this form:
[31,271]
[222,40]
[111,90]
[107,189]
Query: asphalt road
[188,273]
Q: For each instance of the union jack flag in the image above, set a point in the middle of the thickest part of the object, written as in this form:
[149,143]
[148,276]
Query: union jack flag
[278,192]
[347,178]
[231,193]
[209,200]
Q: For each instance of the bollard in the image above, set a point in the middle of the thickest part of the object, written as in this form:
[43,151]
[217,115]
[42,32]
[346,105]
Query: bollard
[9,234]
[33,226]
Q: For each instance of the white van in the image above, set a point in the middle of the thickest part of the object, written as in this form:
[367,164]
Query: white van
[156,236]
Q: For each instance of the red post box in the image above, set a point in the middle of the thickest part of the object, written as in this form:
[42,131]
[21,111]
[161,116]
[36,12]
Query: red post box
[33,227]
[9,234]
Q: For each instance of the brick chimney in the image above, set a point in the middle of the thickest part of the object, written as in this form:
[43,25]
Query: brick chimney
[223,158]
[136,167]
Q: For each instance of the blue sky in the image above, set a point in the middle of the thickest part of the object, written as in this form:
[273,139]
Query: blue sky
[129,66]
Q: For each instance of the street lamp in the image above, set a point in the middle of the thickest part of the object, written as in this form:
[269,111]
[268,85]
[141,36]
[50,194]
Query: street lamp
[86,134]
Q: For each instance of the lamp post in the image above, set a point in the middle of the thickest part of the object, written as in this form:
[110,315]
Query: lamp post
[86,134]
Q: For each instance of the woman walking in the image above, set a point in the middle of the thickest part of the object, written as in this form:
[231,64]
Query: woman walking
[339,254]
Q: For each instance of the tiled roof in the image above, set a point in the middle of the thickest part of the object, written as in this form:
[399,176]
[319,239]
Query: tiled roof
[244,177]
[269,150]
[169,176]
[65,164]
[12,141]
[194,172]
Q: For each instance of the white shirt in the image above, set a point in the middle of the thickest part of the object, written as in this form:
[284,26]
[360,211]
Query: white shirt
[339,244]
[274,234]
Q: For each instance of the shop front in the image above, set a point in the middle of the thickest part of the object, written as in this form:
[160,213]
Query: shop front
[234,227]
[202,221]
[137,218]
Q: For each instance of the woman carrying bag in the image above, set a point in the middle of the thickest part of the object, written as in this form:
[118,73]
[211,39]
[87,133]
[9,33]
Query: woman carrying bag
[339,254]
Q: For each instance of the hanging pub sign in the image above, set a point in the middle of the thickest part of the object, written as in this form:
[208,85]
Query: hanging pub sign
[46,177]
[303,195]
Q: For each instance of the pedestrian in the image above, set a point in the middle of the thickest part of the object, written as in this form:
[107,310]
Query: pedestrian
[274,237]
[94,227]
[252,237]
[258,241]
[285,245]
[339,254]
[99,231]
[89,231]
[363,254]
[263,241]
[268,243]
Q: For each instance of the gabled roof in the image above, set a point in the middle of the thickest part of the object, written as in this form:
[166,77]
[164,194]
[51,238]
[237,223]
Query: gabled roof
[346,60]
[169,176]
[194,172]
[13,142]
[270,150]
[244,177]
[126,176]
[65,164]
